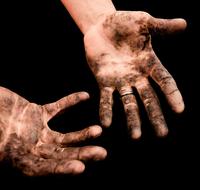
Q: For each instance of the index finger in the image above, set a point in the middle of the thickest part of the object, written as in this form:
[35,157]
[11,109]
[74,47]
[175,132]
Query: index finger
[54,108]
[168,85]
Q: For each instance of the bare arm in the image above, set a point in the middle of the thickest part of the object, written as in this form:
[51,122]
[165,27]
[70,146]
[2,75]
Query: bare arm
[119,52]
[87,12]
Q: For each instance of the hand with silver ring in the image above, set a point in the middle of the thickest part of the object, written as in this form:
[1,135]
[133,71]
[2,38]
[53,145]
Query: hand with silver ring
[120,54]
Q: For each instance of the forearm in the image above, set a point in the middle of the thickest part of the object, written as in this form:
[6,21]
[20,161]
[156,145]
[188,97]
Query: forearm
[87,12]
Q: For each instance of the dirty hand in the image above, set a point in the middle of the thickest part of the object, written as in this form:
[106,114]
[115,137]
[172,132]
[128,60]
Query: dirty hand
[28,142]
[120,54]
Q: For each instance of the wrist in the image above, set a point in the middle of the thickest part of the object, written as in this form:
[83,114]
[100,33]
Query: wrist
[87,13]
[98,24]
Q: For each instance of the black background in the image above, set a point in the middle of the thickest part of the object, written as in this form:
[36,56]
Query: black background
[42,58]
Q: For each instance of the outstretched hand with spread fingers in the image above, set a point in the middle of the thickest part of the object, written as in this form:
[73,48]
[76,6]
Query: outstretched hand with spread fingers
[28,142]
[120,54]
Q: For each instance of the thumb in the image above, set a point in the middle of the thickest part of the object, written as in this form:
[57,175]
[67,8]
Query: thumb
[54,108]
[167,26]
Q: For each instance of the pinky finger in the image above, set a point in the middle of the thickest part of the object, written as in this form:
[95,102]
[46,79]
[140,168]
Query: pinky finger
[33,165]
[69,167]
[105,108]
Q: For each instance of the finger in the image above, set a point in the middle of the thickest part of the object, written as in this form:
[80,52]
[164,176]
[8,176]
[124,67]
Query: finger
[70,167]
[86,153]
[132,114]
[80,136]
[32,165]
[166,26]
[168,85]
[105,108]
[71,153]
[73,137]
[131,110]
[54,108]
[152,107]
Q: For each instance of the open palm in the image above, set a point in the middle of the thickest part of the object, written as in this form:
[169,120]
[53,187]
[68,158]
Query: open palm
[120,54]
[33,147]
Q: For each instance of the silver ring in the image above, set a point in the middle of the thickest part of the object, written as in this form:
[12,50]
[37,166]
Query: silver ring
[62,149]
[58,149]
[127,92]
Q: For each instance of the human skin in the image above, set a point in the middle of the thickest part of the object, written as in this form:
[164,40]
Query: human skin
[31,146]
[120,55]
